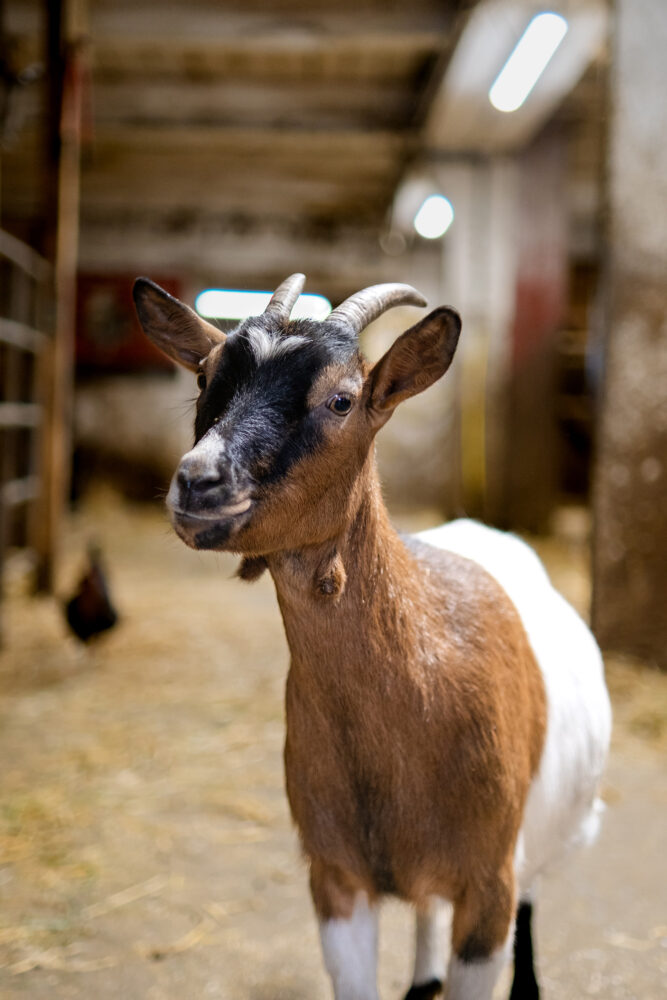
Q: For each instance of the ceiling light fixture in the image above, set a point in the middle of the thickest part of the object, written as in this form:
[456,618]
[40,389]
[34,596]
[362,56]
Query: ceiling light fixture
[434,217]
[232,303]
[528,61]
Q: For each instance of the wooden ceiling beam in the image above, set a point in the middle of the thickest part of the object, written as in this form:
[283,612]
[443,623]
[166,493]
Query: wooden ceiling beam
[221,250]
[357,57]
[258,196]
[239,141]
[287,24]
[343,105]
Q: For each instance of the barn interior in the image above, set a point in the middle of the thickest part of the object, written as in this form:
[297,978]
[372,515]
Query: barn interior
[145,845]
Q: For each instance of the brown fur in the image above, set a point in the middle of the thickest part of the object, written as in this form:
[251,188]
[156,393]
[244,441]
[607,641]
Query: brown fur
[251,568]
[415,721]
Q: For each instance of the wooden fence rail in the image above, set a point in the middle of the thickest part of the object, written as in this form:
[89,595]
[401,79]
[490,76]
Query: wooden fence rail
[26,343]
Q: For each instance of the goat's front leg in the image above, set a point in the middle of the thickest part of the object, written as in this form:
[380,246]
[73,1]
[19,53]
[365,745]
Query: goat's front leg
[348,932]
[429,974]
[481,938]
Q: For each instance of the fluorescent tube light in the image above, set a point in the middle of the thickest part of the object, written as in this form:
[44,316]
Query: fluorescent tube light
[434,217]
[528,61]
[232,303]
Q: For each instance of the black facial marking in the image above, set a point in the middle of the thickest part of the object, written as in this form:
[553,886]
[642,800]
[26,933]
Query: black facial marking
[213,537]
[426,991]
[524,984]
[259,403]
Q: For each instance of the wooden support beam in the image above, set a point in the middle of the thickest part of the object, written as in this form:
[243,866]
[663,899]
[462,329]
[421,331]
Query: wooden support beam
[277,23]
[71,29]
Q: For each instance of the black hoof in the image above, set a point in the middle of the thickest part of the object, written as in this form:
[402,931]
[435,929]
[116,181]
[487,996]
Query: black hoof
[525,988]
[426,991]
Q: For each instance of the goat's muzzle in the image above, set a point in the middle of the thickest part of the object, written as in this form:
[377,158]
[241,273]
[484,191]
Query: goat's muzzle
[208,499]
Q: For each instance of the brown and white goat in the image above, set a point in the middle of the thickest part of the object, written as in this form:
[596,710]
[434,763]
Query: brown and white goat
[447,719]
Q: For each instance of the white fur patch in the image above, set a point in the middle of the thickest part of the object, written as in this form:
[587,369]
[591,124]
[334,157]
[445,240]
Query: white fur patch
[265,345]
[475,980]
[430,942]
[200,462]
[562,806]
[207,451]
[350,952]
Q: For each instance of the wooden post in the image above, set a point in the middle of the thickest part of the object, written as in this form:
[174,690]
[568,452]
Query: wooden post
[70,28]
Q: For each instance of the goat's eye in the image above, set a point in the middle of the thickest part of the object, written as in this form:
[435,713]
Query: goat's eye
[201,381]
[340,405]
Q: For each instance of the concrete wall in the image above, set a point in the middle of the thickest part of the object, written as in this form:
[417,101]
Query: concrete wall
[478,277]
[134,428]
[418,448]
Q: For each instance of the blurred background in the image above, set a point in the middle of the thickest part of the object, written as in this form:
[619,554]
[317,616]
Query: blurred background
[218,145]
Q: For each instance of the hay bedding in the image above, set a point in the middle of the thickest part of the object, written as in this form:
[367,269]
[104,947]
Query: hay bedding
[145,847]
[142,800]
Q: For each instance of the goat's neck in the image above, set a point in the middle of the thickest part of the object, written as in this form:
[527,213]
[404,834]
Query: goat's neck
[331,592]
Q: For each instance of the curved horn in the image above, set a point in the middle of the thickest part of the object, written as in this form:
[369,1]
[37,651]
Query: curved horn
[365,306]
[283,299]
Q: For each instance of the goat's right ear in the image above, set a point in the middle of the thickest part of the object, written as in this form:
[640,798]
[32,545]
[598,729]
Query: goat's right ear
[416,360]
[172,326]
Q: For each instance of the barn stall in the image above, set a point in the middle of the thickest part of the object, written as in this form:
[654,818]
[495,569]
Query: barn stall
[146,844]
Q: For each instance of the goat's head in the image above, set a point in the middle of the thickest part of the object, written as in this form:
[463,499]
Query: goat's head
[287,411]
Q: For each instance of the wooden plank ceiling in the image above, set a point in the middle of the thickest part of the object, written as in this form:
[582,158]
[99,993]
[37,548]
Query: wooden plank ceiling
[248,138]
[265,112]
[305,110]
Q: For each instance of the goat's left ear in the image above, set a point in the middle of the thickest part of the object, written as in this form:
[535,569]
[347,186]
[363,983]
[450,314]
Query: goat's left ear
[416,360]
[172,326]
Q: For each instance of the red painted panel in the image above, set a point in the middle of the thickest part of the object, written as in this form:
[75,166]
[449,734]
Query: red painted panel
[109,338]
[541,290]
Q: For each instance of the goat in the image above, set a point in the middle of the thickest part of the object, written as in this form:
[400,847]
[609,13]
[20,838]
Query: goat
[447,717]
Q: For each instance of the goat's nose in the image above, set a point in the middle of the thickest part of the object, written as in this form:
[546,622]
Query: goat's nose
[184,480]
[193,481]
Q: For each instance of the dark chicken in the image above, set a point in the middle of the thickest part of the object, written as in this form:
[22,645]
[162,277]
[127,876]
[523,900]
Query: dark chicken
[90,610]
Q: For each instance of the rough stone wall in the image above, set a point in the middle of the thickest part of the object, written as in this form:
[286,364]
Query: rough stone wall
[630,545]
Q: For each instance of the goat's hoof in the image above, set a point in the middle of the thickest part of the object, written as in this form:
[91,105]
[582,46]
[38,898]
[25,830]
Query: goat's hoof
[425,991]
[525,988]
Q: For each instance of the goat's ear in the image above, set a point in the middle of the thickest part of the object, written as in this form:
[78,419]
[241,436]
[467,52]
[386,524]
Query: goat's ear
[416,360]
[172,326]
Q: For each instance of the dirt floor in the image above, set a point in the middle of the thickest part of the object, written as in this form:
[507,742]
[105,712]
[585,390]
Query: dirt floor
[146,851]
